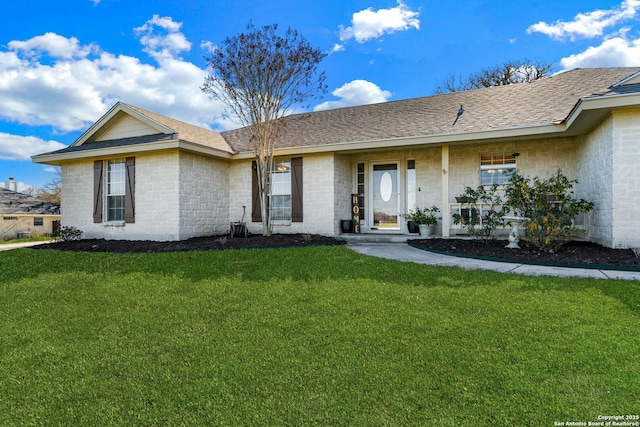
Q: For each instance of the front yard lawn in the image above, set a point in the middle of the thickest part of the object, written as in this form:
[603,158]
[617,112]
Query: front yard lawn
[307,336]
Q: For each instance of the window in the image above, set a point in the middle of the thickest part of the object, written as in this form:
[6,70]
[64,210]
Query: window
[10,218]
[38,221]
[281,191]
[115,190]
[496,168]
[286,202]
[114,183]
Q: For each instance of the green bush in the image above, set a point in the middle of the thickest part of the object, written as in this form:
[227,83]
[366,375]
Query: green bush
[548,206]
[70,233]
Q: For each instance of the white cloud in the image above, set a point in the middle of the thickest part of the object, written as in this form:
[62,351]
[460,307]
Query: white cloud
[589,24]
[356,92]
[162,39]
[369,24]
[54,45]
[14,147]
[337,48]
[77,83]
[208,46]
[614,52]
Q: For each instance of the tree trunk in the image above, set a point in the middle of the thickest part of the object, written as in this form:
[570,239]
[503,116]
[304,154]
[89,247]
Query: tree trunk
[264,189]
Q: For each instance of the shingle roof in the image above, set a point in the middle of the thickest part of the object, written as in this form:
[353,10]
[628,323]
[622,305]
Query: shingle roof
[121,142]
[188,132]
[545,101]
[12,203]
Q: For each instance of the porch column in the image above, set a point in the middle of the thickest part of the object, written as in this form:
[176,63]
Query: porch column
[446,218]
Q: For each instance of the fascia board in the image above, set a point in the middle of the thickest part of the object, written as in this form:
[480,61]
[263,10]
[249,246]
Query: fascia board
[110,152]
[606,103]
[525,132]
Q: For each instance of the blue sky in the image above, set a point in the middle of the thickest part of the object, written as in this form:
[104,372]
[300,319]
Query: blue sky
[63,64]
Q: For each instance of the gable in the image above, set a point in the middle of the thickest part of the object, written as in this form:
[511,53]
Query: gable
[124,126]
[634,79]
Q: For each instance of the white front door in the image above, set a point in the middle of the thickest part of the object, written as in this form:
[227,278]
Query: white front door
[385,196]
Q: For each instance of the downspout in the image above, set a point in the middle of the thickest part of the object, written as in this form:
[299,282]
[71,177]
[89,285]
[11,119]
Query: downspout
[446,218]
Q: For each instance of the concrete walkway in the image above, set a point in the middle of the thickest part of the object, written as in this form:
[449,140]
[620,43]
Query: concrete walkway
[7,246]
[404,252]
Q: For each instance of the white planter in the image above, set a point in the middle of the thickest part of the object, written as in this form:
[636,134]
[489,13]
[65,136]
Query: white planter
[425,230]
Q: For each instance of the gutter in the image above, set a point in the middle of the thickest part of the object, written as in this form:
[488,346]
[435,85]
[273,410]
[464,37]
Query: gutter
[119,151]
[607,103]
[523,132]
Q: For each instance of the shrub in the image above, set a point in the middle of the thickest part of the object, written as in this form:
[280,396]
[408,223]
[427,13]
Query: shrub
[68,233]
[423,215]
[481,224]
[548,206]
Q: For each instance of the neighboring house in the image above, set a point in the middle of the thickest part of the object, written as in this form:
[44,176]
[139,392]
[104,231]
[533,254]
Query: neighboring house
[22,216]
[136,175]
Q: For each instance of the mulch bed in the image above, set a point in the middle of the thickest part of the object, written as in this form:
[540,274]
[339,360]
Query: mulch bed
[571,254]
[194,244]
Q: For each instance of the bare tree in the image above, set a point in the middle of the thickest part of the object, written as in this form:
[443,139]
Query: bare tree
[511,72]
[50,192]
[260,77]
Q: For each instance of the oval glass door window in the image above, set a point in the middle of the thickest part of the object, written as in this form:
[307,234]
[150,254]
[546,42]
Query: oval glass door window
[386,186]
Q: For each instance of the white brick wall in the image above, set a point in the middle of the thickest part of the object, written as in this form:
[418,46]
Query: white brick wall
[625,182]
[344,186]
[594,164]
[318,198]
[540,157]
[156,200]
[608,163]
[204,196]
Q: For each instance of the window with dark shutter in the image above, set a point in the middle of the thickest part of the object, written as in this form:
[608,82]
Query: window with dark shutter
[130,190]
[256,213]
[296,189]
[286,192]
[98,167]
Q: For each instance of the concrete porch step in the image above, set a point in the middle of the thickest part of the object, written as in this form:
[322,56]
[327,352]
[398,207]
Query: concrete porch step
[378,237]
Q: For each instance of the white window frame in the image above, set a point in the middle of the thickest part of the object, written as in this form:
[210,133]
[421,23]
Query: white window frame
[280,203]
[115,190]
[497,163]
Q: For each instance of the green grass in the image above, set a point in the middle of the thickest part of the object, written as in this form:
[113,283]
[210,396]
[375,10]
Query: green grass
[314,336]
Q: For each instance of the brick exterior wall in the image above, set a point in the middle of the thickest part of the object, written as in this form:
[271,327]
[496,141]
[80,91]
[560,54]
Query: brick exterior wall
[178,196]
[594,163]
[626,181]
[607,163]
[157,200]
[182,195]
[318,185]
[204,196]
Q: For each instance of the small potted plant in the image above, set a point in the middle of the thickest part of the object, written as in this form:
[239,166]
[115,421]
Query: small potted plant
[424,218]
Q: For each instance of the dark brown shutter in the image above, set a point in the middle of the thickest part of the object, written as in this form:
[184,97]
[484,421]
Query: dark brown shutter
[97,190]
[296,189]
[130,190]
[256,212]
